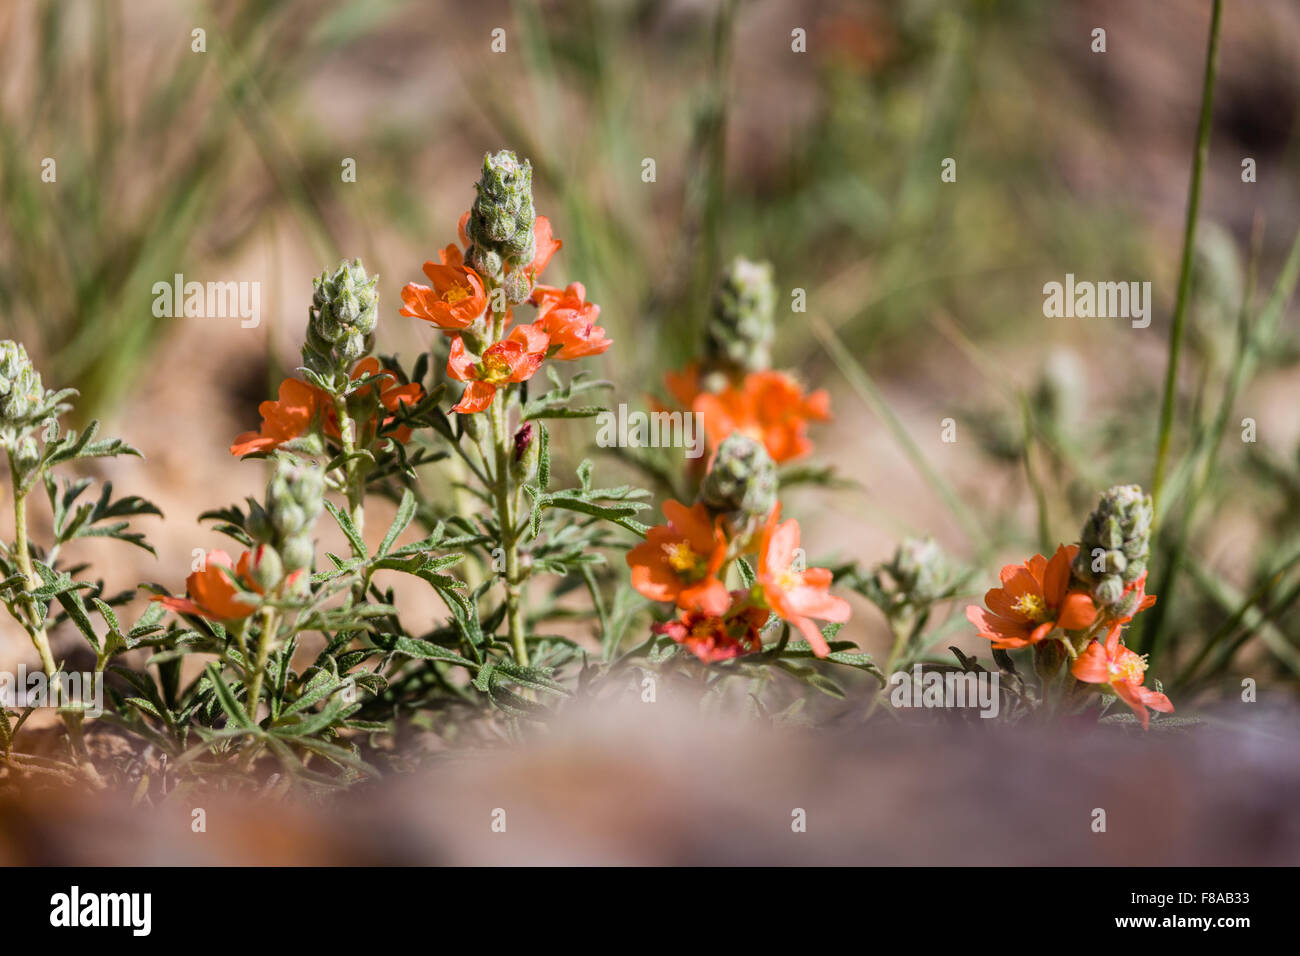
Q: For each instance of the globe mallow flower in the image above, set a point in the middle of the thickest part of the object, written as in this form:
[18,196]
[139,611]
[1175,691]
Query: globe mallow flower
[714,638]
[211,592]
[569,320]
[793,593]
[1035,598]
[513,359]
[1124,670]
[679,561]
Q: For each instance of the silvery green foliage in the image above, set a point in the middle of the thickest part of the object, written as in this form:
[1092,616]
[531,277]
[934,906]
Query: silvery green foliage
[21,391]
[741,484]
[501,219]
[341,320]
[1115,543]
[740,330]
[920,570]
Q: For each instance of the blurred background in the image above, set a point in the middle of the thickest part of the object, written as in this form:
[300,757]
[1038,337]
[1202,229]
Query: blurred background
[924,298]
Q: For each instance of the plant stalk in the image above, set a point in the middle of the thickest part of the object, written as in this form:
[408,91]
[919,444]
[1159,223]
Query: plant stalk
[1189,251]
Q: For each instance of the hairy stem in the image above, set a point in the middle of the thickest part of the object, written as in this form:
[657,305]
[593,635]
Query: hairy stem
[270,624]
[355,478]
[505,505]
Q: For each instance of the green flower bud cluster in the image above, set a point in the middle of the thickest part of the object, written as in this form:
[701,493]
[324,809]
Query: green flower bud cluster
[22,396]
[740,329]
[1115,543]
[341,320]
[741,485]
[294,499]
[919,570]
[500,226]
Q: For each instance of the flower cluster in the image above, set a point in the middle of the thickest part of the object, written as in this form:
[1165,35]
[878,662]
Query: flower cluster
[733,389]
[472,291]
[1081,599]
[685,562]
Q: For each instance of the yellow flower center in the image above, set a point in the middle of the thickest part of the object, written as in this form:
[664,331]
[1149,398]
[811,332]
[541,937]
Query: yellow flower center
[456,293]
[1031,606]
[684,560]
[494,369]
[1129,668]
[789,579]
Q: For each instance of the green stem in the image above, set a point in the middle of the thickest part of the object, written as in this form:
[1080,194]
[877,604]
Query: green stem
[354,474]
[509,532]
[270,624]
[1189,244]
[36,628]
[1035,482]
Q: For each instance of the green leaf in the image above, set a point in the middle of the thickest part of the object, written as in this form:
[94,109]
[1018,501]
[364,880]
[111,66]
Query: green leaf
[229,703]
[349,529]
[405,512]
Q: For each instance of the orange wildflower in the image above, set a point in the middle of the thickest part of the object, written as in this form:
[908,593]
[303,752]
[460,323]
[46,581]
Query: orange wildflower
[456,298]
[392,396]
[569,320]
[1137,593]
[769,406]
[793,593]
[679,561]
[718,638]
[1125,671]
[513,359]
[1035,598]
[545,245]
[211,593]
[684,386]
[288,417]
[299,404]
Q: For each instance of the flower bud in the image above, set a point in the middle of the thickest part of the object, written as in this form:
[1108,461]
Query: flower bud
[523,464]
[298,552]
[28,455]
[21,393]
[500,226]
[742,483]
[294,498]
[1114,543]
[342,318]
[740,330]
[266,567]
[919,569]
